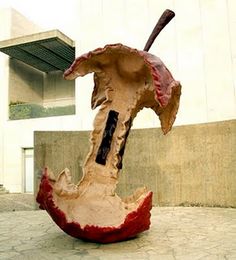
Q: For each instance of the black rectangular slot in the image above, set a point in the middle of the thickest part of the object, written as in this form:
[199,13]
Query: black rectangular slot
[109,130]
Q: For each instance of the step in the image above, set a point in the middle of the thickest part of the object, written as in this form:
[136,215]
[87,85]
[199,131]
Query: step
[3,189]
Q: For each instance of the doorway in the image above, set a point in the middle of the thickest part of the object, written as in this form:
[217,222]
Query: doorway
[28,166]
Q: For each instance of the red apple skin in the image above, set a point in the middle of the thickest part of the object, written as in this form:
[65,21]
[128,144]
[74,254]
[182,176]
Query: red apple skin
[135,222]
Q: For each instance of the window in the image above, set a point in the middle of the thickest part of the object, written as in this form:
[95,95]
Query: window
[36,84]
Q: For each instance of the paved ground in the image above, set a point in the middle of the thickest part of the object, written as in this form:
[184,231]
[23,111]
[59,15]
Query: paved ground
[16,202]
[176,233]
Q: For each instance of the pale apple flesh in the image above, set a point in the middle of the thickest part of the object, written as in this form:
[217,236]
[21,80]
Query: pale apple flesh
[126,80]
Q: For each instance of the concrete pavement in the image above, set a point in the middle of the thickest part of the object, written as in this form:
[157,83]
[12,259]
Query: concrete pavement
[16,202]
[176,233]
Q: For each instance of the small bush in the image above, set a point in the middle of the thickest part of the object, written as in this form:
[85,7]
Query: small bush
[20,110]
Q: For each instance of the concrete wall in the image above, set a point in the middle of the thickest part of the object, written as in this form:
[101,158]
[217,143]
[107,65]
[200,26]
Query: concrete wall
[20,25]
[192,165]
[198,46]
[16,135]
[4,34]
[57,91]
[25,83]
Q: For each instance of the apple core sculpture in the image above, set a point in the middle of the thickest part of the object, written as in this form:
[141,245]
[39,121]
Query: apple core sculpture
[126,80]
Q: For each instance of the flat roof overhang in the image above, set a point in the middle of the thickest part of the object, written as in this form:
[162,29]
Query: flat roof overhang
[45,51]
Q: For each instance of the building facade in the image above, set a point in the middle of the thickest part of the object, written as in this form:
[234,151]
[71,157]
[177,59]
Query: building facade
[198,47]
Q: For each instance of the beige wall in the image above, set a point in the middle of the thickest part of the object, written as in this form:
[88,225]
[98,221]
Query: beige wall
[58,91]
[10,138]
[31,85]
[192,165]
[25,83]
[200,52]
[4,33]
[20,25]
[5,18]
[198,46]
[18,134]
